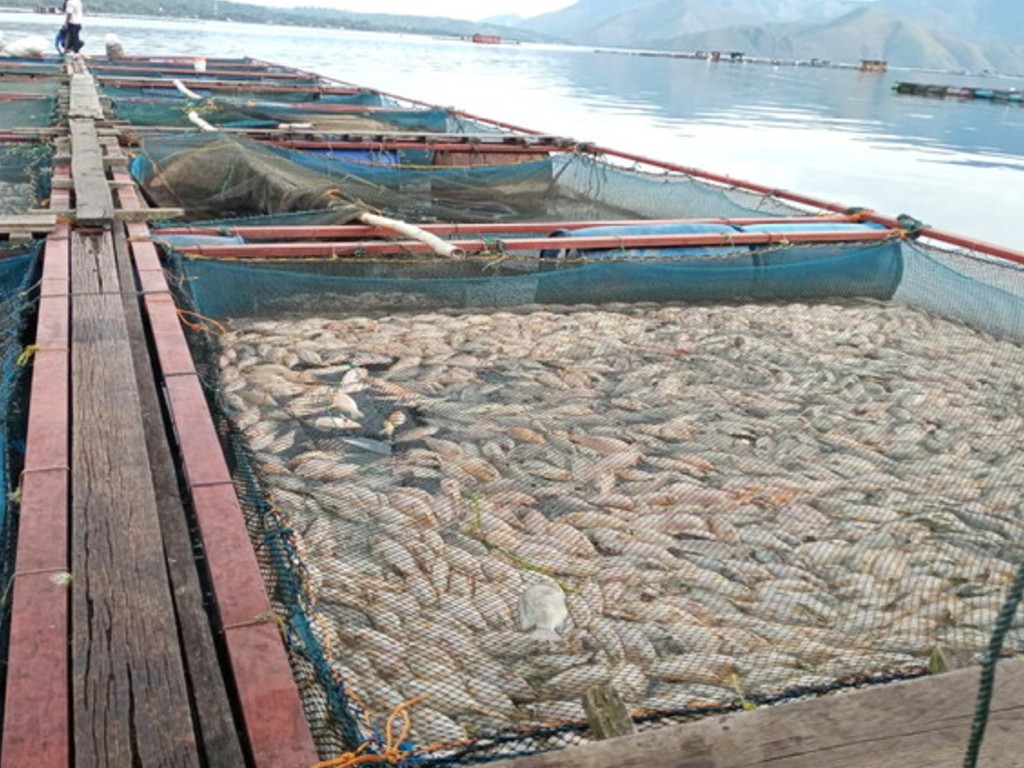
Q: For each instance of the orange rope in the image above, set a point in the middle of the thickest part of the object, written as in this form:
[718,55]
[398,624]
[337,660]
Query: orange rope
[392,754]
[198,326]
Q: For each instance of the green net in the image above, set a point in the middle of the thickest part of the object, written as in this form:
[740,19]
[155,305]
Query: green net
[18,275]
[360,112]
[215,175]
[28,103]
[711,478]
[25,170]
[165,91]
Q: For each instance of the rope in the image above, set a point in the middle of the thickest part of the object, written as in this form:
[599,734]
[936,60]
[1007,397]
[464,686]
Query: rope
[988,668]
[392,752]
[26,355]
[182,313]
[912,228]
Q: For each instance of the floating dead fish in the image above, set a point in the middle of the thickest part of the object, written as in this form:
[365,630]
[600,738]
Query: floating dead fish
[542,609]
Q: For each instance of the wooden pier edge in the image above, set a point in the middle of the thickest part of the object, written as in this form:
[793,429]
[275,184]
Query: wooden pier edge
[920,723]
[278,733]
[111,686]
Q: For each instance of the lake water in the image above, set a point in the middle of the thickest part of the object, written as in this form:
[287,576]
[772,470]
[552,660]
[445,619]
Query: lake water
[839,135]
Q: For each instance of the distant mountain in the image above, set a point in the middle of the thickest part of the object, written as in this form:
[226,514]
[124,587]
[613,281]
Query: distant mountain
[304,16]
[867,33]
[940,34]
[504,21]
[982,20]
[612,22]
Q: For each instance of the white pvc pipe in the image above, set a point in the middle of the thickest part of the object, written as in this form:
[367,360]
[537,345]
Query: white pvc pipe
[185,89]
[439,246]
[194,117]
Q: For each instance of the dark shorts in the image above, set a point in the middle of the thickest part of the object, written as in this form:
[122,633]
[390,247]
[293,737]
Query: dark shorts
[74,42]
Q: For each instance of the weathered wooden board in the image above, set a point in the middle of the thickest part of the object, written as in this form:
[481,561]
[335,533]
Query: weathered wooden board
[130,699]
[93,269]
[29,222]
[94,205]
[920,723]
[85,100]
[218,731]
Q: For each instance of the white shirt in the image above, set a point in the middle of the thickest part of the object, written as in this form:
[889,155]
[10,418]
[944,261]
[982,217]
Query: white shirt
[73,9]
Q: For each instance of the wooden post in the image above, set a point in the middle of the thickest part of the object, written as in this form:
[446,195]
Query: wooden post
[606,712]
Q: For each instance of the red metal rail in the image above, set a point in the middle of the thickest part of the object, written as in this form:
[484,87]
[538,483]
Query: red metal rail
[222,85]
[103,69]
[702,240]
[351,231]
[440,146]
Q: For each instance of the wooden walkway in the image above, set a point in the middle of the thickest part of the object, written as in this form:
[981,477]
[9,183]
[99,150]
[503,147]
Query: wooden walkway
[921,723]
[116,658]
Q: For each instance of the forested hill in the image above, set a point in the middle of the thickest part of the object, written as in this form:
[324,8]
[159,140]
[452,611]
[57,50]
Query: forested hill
[307,17]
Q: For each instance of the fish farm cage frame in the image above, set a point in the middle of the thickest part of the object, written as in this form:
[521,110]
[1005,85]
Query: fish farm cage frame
[140,627]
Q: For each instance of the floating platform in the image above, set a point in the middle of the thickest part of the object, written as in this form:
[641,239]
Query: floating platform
[1010,95]
[277,488]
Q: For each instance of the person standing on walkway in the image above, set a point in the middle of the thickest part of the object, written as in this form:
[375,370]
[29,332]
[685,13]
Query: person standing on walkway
[73,18]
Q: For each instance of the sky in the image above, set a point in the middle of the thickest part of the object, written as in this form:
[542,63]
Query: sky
[473,10]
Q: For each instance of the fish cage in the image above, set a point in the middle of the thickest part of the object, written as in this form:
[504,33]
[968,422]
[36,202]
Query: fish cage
[510,419]
[712,463]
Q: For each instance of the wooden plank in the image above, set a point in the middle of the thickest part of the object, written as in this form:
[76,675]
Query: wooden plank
[124,214]
[94,205]
[218,732]
[148,214]
[918,723]
[129,694]
[85,101]
[29,222]
[92,266]
[70,184]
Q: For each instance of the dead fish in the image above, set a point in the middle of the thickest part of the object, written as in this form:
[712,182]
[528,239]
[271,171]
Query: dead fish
[343,402]
[542,608]
[332,423]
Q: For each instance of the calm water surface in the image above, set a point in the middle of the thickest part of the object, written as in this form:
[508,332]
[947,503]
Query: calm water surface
[839,135]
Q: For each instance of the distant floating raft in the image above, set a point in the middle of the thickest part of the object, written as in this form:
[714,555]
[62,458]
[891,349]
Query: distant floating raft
[959,92]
